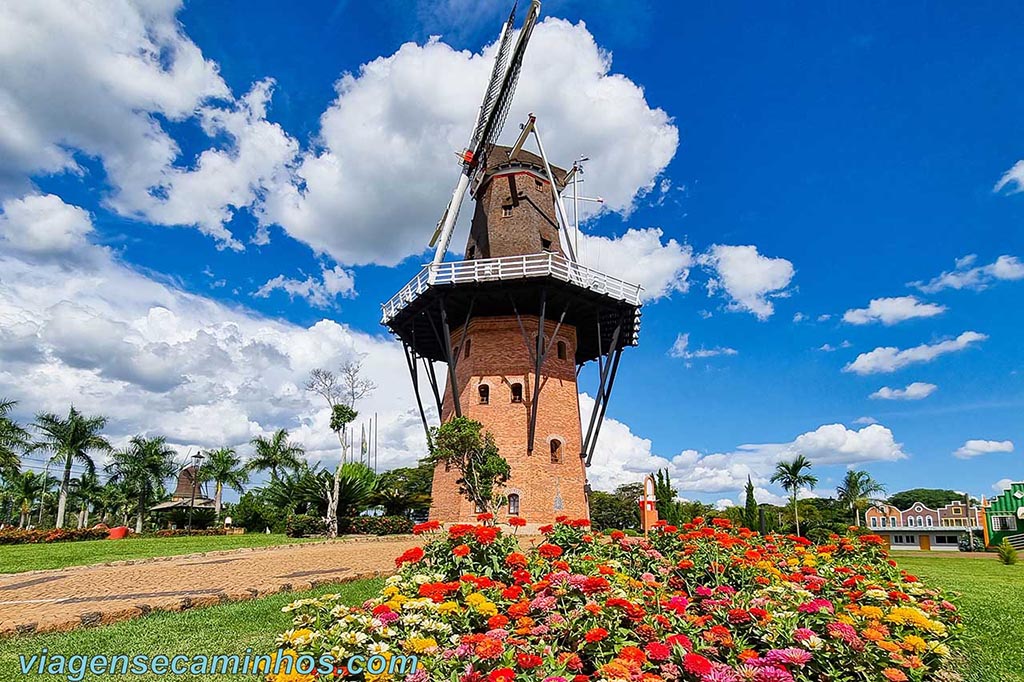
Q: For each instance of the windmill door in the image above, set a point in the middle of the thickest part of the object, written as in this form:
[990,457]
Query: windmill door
[926,541]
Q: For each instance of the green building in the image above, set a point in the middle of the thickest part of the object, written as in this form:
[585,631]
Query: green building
[1004,517]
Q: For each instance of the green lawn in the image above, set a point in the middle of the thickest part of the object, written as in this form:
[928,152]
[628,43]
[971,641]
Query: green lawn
[18,558]
[225,629]
[992,602]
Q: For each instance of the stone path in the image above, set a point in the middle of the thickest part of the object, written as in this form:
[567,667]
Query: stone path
[42,601]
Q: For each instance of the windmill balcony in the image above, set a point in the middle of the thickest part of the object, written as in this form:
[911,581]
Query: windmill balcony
[509,268]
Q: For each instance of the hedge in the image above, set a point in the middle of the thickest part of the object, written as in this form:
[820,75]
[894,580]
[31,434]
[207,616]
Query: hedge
[14,536]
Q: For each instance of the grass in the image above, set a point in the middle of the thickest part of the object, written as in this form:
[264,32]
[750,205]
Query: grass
[18,558]
[224,629]
[990,596]
[990,599]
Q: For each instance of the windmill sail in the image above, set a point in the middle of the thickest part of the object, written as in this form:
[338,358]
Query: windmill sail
[493,111]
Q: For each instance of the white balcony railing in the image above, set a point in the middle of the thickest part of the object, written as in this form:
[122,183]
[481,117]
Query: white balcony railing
[510,268]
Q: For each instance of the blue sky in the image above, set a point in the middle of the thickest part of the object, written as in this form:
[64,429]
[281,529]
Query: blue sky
[201,205]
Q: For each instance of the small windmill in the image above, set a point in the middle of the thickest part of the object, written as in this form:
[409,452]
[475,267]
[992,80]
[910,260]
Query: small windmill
[518,317]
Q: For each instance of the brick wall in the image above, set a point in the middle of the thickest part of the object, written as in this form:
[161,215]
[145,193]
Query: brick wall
[499,358]
[526,197]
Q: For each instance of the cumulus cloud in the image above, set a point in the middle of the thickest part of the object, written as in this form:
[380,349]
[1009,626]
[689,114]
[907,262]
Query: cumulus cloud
[748,279]
[914,391]
[383,170]
[320,293]
[43,225]
[156,359]
[890,311]
[975,448]
[681,349]
[641,257]
[1013,179]
[887,359]
[1002,485]
[967,275]
[865,420]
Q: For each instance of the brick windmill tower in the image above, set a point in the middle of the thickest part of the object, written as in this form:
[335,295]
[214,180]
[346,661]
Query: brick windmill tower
[515,321]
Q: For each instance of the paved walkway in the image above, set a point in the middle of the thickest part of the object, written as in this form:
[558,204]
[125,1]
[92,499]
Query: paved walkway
[42,601]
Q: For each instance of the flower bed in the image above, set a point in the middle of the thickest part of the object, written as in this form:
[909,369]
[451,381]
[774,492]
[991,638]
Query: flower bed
[15,536]
[704,603]
[184,532]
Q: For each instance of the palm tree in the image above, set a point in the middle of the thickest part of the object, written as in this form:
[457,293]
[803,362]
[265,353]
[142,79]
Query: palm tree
[792,476]
[111,500]
[25,488]
[143,467]
[70,440]
[87,490]
[224,469]
[275,453]
[13,439]
[857,491]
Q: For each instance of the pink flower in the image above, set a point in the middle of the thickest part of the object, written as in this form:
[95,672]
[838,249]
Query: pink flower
[773,675]
[789,656]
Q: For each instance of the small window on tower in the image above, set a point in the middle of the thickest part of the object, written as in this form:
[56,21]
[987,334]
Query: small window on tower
[468,343]
[556,451]
[538,183]
[485,394]
[506,211]
[517,393]
[545,244]
[472,252]
[561,350]
[513,504]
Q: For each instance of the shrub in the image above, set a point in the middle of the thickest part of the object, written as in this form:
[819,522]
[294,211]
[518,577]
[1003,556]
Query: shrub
[375,525]
[180,532]
[14,536]
[701,603]
[255,514]
[301,525]
[1006,553]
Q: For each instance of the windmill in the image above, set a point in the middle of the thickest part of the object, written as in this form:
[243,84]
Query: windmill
[516,320]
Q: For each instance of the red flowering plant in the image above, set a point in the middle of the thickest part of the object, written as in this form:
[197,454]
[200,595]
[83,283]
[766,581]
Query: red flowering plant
[703,603]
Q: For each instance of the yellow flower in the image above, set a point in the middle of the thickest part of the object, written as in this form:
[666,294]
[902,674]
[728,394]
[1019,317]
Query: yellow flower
[421,645]
[872,612]
[447,607]
[914,643]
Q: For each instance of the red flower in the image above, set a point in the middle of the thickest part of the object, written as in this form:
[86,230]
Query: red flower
[486,516]
[490,648]
[657,651]
[596,635]
[695,664]
[485,535]
[617,535]
[502,675]
[425,527]
[410,556]
[515,559]
[549,551]
[498,621]
[461,551]
[527,661]
[516,522]
[546,529]
[595,584]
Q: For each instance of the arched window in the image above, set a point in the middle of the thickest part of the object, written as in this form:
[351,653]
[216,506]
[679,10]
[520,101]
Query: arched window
[928,521]
[892,521]
[561,350]
[874,522]
[468,343]
[517,393]
[910,520]
[556,451]
[920,521]
[485,394]
[885,522]
[513,504]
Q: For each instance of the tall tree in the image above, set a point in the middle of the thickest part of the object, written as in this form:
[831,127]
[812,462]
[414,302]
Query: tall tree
[14,439]
[86,488]
[404,490]
[857,491]
[462,444]
[275,453]
[929,497]
[70,439]
[341,395]
[793,476]
[24,487]
[143,467]
[224,468]
[750,506]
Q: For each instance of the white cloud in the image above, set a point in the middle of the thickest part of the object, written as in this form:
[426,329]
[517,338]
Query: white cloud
[974,448]
[383,169]
[915,391]
[824,317]
[1012,179]
[889,359]
[827,348]
[321,293]
[156,359]
[890,311]
[1002,485]
[836,444]
[640,257]
[967,275]
[748,279]
[865,420]
[43,225]
[681,349]
[799,317]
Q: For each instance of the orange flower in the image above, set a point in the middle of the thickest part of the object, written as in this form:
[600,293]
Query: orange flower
[502,675]
[461,551]
[549,551]
[894,675]
[596,635]
[489,648]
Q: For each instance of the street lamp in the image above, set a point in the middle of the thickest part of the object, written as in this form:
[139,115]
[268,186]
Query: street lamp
[196,459]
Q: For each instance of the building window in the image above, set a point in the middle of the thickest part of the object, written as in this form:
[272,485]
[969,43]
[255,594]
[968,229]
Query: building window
[472,252]
[485,394]
[892,521]
[556,451]
[1000,523]
[903,539]
[538,183]
[947,540]
[920,521]
[874,522]
[885,522]
[517,393]
[910,521]
[956,510]
[928,521]
[506,211]
[467,344]
[561,350]
[513,504]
